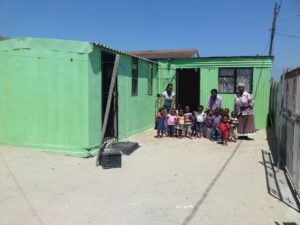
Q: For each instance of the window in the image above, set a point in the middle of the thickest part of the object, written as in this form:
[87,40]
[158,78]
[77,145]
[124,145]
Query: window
[230,77]
[150,78]
[134,76]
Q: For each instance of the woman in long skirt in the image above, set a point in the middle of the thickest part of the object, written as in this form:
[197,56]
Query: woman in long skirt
[244,109]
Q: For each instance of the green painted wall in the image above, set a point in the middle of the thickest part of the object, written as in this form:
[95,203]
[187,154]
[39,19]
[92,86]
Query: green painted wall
[43,95]
[50,95]
[50,92]
[209,68]
[136,113]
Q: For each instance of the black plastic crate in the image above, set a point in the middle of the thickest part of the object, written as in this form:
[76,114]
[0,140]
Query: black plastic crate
[111,159]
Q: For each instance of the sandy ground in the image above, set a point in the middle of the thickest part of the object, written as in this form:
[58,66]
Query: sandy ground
[166,181]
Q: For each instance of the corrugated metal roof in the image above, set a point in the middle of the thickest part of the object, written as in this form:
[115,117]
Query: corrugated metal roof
[167,54]
[236,56]
[123,52]
[292,73]
[3,38]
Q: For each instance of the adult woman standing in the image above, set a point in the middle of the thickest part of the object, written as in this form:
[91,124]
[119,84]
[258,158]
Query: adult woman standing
[244,109]
[167,99]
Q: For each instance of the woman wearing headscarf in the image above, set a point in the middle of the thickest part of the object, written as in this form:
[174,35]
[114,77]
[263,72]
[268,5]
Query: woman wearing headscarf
[167,99]
[244,109]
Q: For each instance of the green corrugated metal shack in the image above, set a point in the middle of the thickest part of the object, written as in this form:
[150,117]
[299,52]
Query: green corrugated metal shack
[193,79]
[52,94]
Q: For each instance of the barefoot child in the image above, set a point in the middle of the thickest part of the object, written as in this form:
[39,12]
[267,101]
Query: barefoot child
[200,117]
[180,123]
[224,130]
[188,118]
[216,123]
[233,126]
[160,123]
[171,121]
[209,124]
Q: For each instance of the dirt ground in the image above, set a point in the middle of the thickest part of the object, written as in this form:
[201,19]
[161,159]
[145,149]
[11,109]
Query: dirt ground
[166,181]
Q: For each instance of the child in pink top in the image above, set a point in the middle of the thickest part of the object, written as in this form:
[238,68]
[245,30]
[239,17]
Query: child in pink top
[171,122]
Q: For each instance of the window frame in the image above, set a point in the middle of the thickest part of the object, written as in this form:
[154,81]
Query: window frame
[235,79]
[134,76]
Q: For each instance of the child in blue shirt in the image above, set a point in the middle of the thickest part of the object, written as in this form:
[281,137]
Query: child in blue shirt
[217,118]
[209,123]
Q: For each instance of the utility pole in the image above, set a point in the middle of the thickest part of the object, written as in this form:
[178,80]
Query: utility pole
[276,11]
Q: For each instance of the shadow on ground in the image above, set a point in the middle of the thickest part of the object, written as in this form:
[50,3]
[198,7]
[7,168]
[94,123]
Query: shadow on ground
[189,217]
[277,181]
[285,223]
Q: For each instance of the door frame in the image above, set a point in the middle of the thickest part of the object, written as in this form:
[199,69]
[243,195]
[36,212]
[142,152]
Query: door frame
[198,71]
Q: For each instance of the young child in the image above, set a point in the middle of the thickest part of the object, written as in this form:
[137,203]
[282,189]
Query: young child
[160,123]
[233,126]
[225,112]
[171,122]
[224,130]
[209,124]
[188,117]
[199,117]
[180,123]
[216,123]
[178,108]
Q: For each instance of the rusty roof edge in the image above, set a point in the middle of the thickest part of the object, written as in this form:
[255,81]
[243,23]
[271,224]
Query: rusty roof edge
[123,52]
[224,57]
[292,72]
[165,50]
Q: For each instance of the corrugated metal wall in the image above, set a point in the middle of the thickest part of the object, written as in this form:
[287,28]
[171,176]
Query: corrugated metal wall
[209,69]
[285,111]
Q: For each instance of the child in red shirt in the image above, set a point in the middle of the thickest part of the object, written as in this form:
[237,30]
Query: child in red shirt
[224,130]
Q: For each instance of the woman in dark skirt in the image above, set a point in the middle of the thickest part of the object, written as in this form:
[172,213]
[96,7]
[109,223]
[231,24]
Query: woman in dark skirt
[243,105]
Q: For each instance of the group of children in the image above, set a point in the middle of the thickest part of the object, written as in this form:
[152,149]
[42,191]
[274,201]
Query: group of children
[216,125]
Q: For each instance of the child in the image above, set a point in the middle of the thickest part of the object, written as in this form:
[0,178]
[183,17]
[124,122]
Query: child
[188,117]
[216,123]
[171,121]
[233,126]
[178,108]
[225,112]
[160,123]
[200,117]
[180,123]
[209,123]
[224,130]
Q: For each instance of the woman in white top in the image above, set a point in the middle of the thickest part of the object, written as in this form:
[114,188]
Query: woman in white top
[167,99]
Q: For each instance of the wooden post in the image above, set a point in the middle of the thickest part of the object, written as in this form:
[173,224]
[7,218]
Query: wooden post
[108,104]
[276,11]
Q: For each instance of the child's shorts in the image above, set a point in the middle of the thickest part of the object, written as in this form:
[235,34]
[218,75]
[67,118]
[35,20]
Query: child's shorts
[199,127]
[180,126]
[171,129]
[187,128]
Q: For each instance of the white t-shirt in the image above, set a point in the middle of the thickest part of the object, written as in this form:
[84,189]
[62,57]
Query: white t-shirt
[168,98]
[200,117]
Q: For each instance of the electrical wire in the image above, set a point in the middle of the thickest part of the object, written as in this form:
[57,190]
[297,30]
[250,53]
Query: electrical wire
[287,35]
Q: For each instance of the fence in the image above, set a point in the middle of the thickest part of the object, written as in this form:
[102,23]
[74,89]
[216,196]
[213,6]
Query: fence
[285,116]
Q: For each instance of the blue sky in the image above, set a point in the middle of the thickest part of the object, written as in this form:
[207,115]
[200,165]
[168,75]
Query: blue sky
[215,27]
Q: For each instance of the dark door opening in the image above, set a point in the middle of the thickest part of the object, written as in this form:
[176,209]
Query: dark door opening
[107,65]
[188,87]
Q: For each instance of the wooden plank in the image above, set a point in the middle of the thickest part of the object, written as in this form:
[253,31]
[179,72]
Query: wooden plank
[109,101]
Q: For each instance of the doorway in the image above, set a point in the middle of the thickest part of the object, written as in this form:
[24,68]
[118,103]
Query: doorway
[107,64]
[188,87]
